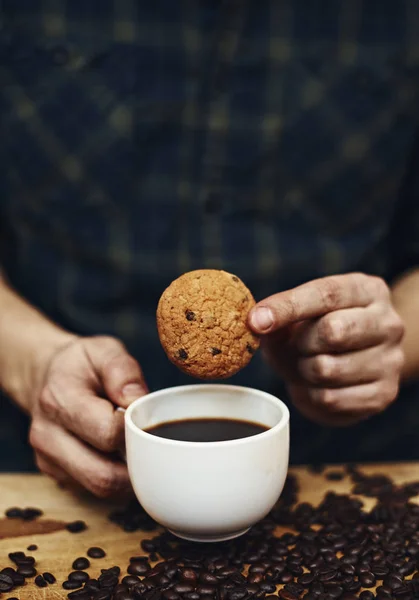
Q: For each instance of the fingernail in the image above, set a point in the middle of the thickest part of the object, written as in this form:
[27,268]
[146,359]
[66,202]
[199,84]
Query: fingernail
[132,391]
[262,318]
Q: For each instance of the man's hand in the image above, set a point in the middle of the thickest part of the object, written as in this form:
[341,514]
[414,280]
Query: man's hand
[76,430]
[336,341]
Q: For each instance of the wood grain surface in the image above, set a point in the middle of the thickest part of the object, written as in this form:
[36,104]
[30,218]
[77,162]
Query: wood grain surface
[57,548]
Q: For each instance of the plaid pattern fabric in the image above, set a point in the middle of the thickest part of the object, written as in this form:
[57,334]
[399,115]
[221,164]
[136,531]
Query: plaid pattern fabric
[275,139]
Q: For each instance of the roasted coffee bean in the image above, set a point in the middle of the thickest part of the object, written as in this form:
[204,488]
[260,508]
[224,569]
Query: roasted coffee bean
[130,580]
[191,596]
[348,596]
[183,588]
[76,526]
[6,583]
[49,577]
[16,556]
[25,560]
[81,563]
[285,577]
[13,513]
[327,574]
[108,580]
[78,595]
[103,595]
[306,578]
[18,579]
[188,575]
[208,578]
[255,577]
[148,546]
[237,594]
[172,595]
[287,595]
[392,581]
[29,514]
[367,580]
[384,591]
[27,571]
[92,585]
[71,585]
[380,570]
[138,568]
[294,588]
[32,548]
[96,552]
[78,576]
[268,588]
[40,581]
[402,591]
[366,595]
[206,590]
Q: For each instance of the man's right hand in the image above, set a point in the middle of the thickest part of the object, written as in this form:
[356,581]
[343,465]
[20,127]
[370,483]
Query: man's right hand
[76,430]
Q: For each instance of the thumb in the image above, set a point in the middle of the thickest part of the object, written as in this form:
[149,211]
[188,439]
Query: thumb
[120,374]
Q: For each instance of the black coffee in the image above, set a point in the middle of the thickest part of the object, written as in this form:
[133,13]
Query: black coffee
[207,430]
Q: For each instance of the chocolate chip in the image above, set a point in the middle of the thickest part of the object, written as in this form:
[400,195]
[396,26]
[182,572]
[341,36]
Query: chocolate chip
[190,315]
[250,349]
[76,526]
[215,351]
[182,354]
[32,547]
[234,278]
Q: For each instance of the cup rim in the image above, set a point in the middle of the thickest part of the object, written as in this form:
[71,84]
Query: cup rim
[282,423]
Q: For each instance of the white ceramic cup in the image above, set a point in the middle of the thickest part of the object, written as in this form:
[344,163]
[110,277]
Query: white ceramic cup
[207,491]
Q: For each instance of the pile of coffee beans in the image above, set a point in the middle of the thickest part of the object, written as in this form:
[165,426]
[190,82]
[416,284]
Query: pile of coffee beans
[335,550]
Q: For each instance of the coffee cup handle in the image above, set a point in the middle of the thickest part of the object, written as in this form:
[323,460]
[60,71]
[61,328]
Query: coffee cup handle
[122,452]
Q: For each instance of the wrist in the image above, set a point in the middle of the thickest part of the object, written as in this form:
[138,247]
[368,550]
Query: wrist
[28,371]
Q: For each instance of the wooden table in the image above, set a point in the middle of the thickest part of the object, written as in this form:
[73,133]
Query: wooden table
[57,549]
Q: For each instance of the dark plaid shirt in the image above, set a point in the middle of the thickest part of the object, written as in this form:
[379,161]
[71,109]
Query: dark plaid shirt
[276,139]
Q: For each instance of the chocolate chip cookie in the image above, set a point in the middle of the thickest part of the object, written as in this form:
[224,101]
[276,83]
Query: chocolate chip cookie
[202,324]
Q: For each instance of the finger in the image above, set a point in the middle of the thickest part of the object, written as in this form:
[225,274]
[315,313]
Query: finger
[351,368]
[344,406]
[349,329]
[89,417]
[95,472]
[315,299]
[50,468]
[120,373]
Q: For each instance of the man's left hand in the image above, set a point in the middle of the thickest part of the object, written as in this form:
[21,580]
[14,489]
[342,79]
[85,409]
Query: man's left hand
[336,342]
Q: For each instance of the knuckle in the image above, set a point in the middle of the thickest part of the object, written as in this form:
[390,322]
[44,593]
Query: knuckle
[105,482]
[396,327]
[108,438]
[36,435]
[47,402]
[322,368]
[331,293]
[327,397]
[333,331]
[379,286]
[387,394]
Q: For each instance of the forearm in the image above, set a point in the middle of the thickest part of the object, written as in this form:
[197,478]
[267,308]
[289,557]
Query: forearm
[27,341]
[405,294]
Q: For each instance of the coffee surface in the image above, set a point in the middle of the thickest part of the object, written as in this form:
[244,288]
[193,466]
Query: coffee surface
[206,430]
